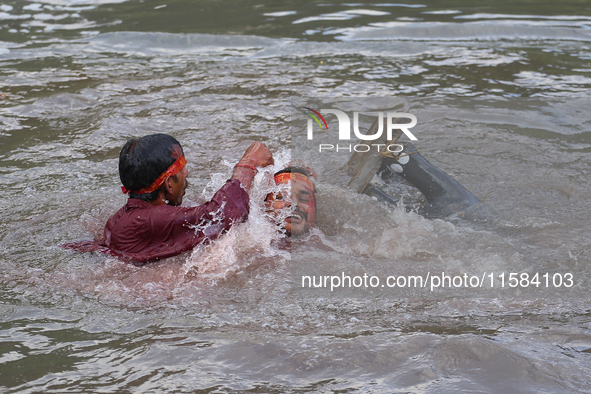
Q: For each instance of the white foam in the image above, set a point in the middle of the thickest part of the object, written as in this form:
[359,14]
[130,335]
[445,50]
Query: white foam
[280,13]
[246,243]
[33,7]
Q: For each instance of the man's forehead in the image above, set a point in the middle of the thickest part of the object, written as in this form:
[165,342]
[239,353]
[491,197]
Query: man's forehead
[299,186]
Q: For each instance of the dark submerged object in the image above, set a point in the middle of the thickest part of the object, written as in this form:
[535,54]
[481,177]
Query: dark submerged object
[445,196]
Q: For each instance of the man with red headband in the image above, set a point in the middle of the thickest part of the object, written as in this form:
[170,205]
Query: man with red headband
[152,225]
[299,200]
[296,205]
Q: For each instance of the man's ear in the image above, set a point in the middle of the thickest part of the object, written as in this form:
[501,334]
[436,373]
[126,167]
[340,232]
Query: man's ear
[168,184]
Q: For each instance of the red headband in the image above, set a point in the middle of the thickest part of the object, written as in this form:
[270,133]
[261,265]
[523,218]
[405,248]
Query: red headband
[172,170]
[286,176]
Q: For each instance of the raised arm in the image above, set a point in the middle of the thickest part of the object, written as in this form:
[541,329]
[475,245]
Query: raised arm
[257,155]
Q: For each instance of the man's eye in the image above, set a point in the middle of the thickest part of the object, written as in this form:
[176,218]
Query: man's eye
[279,197]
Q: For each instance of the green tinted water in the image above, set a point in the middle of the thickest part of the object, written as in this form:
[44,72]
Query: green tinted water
[501,93]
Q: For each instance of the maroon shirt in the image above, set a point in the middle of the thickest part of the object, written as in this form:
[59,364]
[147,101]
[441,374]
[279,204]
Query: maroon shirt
[140,232]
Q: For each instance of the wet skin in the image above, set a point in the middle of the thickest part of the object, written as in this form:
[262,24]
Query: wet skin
[175,186]
[179,187]
[302,204]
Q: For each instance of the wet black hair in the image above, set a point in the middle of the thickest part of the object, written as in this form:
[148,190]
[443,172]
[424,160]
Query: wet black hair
[143,160]
[295,170]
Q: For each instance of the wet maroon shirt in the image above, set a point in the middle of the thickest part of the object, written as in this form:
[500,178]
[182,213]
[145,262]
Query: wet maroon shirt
[141,232]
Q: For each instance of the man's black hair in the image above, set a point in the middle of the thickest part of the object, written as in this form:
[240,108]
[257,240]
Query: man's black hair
[295,170]
[143,160]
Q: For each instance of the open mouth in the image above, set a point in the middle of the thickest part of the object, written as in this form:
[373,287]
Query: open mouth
[296,215]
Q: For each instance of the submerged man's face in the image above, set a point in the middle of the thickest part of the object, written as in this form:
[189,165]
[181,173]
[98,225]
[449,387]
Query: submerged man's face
[300,201]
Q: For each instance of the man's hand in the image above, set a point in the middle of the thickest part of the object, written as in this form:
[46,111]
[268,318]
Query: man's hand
[257,155]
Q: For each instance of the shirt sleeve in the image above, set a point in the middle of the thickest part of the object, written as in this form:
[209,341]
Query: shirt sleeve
[229,205]
[147,233]
[193,226]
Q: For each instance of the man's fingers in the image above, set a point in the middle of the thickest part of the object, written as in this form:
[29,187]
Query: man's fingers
[258,155]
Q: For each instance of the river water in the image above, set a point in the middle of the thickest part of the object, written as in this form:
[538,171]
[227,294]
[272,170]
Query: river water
[500,90]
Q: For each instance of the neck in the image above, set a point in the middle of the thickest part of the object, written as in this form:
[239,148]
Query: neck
[161,200]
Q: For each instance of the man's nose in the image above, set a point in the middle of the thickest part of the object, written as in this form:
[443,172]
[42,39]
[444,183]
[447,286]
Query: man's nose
[287,199]
[294,203]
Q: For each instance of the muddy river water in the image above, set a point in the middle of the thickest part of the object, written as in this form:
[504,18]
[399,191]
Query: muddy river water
[501,93]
